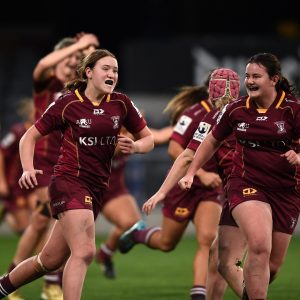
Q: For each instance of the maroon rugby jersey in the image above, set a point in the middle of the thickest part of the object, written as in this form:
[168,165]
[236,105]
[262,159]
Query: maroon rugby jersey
[262,136]
[117,185]
[89,133]
[225,152]
[188,122]
[118,170]
[44,94]
[187,125]
[10,148]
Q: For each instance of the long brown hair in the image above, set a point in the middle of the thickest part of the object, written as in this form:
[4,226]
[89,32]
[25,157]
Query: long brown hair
[80,81]
[273,67]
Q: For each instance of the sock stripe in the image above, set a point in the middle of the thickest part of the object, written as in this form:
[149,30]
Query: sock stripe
[106,250]
[52,277]
[198,290]
[3,291]
[150,232]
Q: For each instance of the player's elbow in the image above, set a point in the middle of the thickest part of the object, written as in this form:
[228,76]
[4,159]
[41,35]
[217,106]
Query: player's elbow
[187,157]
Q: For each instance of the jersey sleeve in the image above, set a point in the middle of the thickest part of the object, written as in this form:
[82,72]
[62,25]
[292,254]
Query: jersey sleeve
[223,127]
[134,121]
[52,118]
[200,134]
[297,125]
[182,130]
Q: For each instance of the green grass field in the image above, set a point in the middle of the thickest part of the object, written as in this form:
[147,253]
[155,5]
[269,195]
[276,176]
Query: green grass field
[147,274]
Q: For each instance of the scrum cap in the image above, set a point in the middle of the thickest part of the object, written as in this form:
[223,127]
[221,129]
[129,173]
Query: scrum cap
[224,82]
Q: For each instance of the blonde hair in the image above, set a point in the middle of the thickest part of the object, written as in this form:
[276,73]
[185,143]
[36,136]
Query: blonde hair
[25,108]
[65,42]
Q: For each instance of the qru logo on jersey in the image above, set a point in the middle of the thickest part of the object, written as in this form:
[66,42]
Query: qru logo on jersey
[84,123]
[293,222]
[280,126]
[115,120]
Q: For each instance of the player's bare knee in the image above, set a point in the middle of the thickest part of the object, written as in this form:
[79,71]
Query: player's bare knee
[39,266]
[206,240]
[167,246]
[49,262]
[260,251]
[86,253]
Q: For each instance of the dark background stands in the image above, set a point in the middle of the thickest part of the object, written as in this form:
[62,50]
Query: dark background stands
[161,45]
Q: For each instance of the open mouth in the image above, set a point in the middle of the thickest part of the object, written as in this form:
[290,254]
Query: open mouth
[109,82]
[252,88]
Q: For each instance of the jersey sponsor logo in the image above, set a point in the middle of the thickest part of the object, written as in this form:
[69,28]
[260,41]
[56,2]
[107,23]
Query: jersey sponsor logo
[84,123]
[280,125]
[262,118]
[100,141]
[202,131]
[249,191]
[88,200]
[221,113]
[242,126]
[264,145]
[115,120]
[182,211]
[183,124]
[98,111]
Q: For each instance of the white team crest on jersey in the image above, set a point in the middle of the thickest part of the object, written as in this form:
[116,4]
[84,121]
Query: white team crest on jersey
[293,222]
[183,124]
[115,120]
[202,131]
[280,126]
[84,123]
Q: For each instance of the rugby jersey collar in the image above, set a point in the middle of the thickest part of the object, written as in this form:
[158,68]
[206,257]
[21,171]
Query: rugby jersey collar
[206,105]
[276,103]
[82,97]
